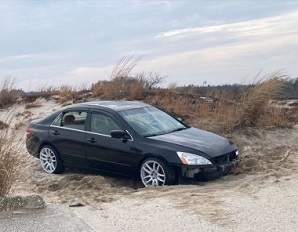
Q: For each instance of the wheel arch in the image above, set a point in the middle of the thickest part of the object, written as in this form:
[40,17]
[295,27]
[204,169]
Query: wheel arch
[152,155]
[158,156]
[46,143]
[60,166]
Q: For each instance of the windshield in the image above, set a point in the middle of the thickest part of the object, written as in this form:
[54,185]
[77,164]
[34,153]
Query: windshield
[150,121]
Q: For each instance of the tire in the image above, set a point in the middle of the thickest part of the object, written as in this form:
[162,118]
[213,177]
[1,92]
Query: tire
[50,160]
[154,172]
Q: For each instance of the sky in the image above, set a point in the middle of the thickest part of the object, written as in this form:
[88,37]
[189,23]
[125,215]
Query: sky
[50,43]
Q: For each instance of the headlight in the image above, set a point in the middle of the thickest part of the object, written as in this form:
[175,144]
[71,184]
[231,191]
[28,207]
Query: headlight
[192,159]
[237,152]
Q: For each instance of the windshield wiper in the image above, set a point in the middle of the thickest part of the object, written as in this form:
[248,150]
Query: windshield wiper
[156,134]
[178,129]
[151,135]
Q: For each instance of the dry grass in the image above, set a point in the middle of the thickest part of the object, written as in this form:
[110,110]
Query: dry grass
[67,93]
[120,81]
[32,105]
[124,84]
[43,92]
[279,117]
[228,111]
[248,107]
[124,67]
[62,94]
[240,108]
[8,95]
[19,125]
[255,101]
[9,161]
[218,110]
[120,88]
[3,125]
[71,93]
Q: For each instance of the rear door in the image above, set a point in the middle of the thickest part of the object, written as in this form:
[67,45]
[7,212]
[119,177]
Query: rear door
[107,153]
[68,135]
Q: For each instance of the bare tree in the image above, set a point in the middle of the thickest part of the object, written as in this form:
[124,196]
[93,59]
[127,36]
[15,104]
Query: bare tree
[153,79]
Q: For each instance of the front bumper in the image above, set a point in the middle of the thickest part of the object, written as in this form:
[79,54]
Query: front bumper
[208,172]
[223,168]
[226,168]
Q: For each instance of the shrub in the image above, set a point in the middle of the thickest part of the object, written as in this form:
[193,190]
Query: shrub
[279,117]
[71,93]
[123,84]
[220,109]
[231,110]
[255,101]
[8,95]
[9,161]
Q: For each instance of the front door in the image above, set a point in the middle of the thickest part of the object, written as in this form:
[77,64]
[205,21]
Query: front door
[104,152]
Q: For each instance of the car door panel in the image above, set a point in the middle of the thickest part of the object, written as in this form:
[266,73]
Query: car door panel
[68,135]
[107,153]
[70,144]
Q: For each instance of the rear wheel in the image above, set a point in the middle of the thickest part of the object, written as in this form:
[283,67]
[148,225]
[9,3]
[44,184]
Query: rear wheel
[155,172]
[50,160]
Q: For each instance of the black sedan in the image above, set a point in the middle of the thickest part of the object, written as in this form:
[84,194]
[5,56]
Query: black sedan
[128,138]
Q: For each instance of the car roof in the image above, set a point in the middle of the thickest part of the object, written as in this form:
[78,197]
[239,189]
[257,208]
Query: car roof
[115,105]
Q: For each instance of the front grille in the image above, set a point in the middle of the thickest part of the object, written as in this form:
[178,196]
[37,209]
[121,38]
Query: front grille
[226,158]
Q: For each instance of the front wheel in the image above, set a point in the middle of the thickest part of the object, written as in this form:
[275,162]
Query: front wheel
[155,172]
[50,160]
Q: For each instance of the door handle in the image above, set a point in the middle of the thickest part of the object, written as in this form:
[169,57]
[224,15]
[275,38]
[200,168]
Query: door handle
[56,133]
[91,140]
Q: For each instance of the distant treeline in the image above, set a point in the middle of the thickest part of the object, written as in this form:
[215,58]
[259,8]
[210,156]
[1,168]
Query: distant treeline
[289,91]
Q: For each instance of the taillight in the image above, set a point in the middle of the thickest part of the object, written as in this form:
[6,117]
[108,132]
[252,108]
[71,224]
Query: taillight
[28,131]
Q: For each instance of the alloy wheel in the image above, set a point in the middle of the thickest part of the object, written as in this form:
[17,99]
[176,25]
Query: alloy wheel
[48,160]
[152,174]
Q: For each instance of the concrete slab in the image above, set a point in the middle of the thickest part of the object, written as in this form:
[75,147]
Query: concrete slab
[54,218]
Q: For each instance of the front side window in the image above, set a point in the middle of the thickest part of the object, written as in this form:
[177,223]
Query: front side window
[73,119]
[103,124]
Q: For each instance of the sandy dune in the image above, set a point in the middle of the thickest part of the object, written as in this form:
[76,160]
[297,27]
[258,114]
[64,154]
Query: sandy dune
[262,195]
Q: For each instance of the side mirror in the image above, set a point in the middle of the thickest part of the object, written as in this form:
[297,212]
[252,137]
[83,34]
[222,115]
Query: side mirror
[120,134]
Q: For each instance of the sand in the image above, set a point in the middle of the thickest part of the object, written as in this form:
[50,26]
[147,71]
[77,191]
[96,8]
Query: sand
[272,208]
[262,194]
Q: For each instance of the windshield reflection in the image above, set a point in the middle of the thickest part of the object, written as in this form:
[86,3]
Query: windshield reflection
[150,121]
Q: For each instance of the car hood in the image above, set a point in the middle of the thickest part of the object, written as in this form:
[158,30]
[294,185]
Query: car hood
[211,144]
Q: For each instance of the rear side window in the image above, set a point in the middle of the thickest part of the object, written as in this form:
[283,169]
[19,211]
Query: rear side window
[73,119]
[57,121]
[103,124]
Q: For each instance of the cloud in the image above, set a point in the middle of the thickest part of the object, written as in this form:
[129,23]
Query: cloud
[89,75]
[28,57]
[230,63]
[224,63]
[78,42]
[264,26]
